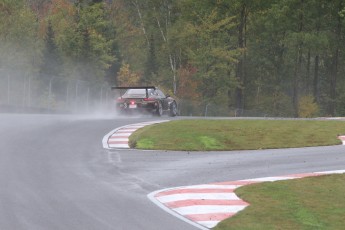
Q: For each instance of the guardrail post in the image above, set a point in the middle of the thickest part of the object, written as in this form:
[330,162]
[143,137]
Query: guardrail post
[50,92]
[8,88]
[206,109]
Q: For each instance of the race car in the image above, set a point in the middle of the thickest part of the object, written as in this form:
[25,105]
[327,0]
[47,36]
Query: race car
[147,99]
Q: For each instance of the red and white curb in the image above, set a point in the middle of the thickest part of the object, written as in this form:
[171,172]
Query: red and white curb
[204,206]
[342,138]
[118,138]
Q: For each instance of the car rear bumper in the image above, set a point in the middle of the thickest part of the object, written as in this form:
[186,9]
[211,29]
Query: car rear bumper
[139,108]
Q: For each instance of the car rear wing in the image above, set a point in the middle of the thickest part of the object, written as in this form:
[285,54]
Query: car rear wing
[135,87]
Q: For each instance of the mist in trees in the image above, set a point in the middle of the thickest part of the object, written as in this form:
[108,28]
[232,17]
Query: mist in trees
[233,57]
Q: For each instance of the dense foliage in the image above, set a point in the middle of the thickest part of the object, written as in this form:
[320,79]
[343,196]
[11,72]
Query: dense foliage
[230,57]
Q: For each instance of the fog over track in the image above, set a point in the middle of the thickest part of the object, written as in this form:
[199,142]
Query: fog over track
[55,174]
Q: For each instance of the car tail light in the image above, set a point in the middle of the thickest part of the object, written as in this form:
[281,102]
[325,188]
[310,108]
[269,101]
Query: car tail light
[120,100]
[132,102]
[149,99]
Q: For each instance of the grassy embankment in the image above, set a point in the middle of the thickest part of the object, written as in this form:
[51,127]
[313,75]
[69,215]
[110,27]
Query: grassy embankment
[304,204]
[207,135]
[309,203]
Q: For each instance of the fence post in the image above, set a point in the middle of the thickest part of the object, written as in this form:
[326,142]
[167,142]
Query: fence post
[8,88]
[29,93]
[206,109]
[50,92]
[87,98]
[76,94]
[24,89]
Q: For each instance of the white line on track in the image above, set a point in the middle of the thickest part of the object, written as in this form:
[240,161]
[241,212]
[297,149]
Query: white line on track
[197,196]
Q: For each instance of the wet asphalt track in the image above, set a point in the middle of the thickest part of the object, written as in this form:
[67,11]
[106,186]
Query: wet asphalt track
[55,174]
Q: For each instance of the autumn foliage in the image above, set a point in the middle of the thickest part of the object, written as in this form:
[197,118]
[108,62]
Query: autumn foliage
[188,84]
[239,55]
[126,77]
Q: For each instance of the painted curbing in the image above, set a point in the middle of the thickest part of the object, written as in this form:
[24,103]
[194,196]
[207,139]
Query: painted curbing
[204,206]
[342,138]
[118,138]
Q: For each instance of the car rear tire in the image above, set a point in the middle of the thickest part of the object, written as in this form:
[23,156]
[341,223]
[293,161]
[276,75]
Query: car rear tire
[159,109]
[173,109]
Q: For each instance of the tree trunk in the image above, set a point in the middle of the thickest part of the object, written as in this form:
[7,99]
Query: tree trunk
[240,71]
[298,67]
[316,87]
[307,83]
[316,90]
[172,57]
[333,83]
[137,7]
[295,97]
[334,66]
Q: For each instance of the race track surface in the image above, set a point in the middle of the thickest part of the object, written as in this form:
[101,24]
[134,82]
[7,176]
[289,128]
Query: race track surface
[55,173]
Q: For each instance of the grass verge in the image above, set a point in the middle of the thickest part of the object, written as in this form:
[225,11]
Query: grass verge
[308,203]
[208,135]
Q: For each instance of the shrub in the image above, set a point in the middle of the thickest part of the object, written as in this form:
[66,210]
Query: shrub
[307,107]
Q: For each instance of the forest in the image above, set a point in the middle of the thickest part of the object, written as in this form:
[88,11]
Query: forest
[282,58]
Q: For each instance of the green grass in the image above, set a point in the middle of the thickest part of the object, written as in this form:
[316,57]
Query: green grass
[207,135]
[306,204]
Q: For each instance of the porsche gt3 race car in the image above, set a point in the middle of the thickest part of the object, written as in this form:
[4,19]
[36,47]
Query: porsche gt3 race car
[148,99]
